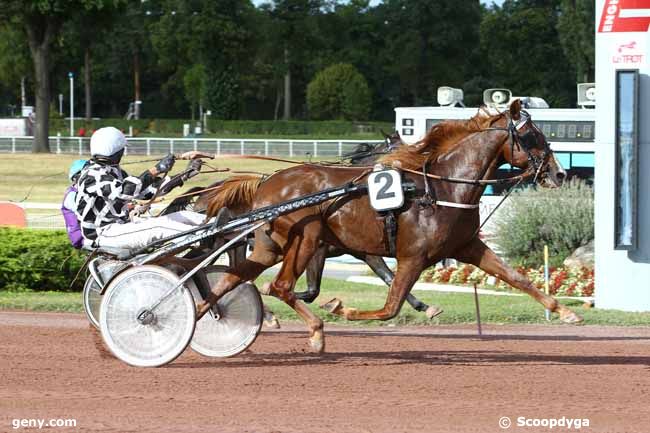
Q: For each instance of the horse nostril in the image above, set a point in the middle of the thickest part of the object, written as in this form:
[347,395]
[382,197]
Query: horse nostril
[561,175]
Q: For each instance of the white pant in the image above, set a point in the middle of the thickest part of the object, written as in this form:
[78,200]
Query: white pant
[141,233]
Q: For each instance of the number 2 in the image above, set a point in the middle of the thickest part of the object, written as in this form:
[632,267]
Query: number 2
[383,191]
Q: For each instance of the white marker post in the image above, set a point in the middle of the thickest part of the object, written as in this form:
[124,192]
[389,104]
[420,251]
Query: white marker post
[71,77]
[547,312]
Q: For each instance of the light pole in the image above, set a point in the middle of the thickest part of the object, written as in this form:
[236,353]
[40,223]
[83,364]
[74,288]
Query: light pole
[71,76]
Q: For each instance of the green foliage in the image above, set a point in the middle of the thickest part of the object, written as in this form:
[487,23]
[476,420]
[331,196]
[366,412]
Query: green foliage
[195,83]
[38,260]
[522,51]
[576,34]
[222,95]
[339,92]
[561,218]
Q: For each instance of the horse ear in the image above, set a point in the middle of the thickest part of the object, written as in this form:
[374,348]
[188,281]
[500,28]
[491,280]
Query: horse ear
[515,109]
[386,136]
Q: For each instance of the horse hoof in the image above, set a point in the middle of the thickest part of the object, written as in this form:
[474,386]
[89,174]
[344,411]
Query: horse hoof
[333,306]
[270,321]
[433,311]
[571,317]
[266,289]
[317,342]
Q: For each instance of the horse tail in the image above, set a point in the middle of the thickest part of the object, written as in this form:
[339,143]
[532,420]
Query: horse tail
[236,193]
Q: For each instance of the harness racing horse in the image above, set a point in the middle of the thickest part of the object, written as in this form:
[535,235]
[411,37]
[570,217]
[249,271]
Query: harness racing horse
[364,154]
[440,221]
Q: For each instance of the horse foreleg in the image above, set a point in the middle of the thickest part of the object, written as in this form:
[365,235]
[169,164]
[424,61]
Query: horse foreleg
[407,274]
[479,254]
[314,275]
[379,267]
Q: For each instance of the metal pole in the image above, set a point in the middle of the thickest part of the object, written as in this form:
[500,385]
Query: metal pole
[71,76]
[547,312]
[290,148]
[13,144]
[148,147]
[81,151]
[478,312]
[266,148]
[340,148]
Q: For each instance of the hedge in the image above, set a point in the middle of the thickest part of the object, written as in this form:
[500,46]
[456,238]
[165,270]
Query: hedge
[38,260]
[562,218]
[292,128]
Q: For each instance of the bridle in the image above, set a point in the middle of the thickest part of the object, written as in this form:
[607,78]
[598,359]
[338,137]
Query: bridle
[526,142]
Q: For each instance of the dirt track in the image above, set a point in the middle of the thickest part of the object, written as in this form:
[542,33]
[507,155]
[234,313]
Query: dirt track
[441,379]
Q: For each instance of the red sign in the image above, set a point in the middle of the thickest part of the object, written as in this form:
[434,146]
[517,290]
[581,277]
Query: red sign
[625,16]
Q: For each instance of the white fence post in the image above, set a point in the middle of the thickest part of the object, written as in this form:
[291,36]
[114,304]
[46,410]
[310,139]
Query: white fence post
[241,145]
[148,146]
[290,148]
[218,147]
[315,148]
[13,144]
[171,146]
[80,146]
[340,148]
[266,147]
[58,143]
[195,144]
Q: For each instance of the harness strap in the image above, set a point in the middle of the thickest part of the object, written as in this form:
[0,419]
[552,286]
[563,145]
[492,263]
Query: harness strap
[456,205]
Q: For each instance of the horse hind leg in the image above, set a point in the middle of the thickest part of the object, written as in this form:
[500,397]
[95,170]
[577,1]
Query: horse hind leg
[263,257]
[407,274]
[379,267]
[314,275]
[297,252]
[479,254]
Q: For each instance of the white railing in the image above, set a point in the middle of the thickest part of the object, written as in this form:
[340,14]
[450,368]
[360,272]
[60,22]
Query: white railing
[220,146]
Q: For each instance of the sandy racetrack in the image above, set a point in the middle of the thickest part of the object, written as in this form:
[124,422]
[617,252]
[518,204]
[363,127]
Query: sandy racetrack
[440,379]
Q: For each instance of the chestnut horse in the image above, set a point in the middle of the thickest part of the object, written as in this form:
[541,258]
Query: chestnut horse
[364,154]
[431,226]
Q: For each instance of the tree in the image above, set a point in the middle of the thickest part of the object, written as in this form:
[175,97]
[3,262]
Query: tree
[41,21]
[195,82]
[14,59]
[576,31]
[523,52]
[339,92]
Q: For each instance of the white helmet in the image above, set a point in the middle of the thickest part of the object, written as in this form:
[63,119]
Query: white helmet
[107,141]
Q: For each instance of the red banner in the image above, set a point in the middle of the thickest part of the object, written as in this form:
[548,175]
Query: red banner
[625,16]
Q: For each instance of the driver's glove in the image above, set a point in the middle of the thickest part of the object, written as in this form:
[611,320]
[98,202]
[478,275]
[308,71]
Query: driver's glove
[193,168]
[165,164]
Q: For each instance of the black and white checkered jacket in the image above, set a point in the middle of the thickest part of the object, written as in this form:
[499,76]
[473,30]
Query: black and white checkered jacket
[104,191]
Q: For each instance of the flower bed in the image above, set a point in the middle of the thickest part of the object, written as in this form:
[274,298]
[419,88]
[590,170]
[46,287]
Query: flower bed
[563,281]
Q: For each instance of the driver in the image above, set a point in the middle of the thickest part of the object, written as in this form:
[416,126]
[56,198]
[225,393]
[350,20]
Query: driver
[104,191]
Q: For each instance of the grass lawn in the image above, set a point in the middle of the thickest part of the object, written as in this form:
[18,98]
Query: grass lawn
[48,174]
[459,307]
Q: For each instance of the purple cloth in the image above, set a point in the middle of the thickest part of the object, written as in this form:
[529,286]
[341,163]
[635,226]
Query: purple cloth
[71,222]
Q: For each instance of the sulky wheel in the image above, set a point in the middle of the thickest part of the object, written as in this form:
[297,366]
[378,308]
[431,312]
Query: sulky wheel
[233,325]
[145,319]
[91,297]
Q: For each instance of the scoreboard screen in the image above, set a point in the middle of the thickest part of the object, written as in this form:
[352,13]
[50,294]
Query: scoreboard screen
[555,130]
[559,130]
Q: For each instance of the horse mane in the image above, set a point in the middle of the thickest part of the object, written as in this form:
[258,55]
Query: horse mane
[235,192]
[440,139]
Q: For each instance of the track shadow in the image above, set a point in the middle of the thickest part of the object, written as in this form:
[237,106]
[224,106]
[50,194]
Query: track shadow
[468,336]
[424,357]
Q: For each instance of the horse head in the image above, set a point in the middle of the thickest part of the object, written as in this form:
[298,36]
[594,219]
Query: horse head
[528,149]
